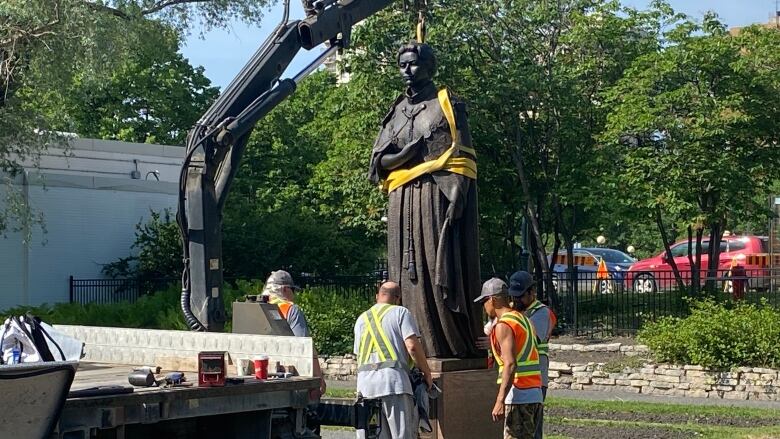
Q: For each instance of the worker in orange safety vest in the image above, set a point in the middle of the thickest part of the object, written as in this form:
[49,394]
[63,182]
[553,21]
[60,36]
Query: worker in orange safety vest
[280,290]
[513,341]
[522,290]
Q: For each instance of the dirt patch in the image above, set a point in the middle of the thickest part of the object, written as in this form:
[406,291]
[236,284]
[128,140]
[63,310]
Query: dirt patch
[666,418]
[608,431]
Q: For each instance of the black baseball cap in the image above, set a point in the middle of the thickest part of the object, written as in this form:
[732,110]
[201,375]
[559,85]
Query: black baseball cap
[520,282]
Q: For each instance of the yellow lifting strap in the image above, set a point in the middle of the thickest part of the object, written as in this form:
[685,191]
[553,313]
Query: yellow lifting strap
[459,165]
[421,29]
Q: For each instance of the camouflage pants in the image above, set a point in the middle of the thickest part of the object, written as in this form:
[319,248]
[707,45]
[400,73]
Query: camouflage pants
[520,420]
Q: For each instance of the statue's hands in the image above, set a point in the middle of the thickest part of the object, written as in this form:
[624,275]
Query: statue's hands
[413,145]
[394,161]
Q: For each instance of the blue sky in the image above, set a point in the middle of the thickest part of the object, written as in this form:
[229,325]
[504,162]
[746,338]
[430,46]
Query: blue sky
[223,52]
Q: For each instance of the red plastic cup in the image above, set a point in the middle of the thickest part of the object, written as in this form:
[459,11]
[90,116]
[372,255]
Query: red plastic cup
[261,367]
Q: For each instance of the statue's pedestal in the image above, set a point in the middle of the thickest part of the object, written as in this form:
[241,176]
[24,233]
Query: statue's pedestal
[468,395]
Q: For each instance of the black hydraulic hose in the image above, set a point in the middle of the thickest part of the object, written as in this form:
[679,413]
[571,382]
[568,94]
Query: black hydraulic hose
[189,317]
[192,321]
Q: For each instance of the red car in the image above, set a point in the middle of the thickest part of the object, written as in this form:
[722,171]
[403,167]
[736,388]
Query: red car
[651,274]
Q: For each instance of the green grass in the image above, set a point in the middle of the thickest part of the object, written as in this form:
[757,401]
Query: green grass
[340,393]
[702,431]
[659,408]
[693,411]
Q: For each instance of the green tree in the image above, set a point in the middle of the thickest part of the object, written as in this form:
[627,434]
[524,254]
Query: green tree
[531,74]
[693,125]
[153,96]
[275,216]
[46,46]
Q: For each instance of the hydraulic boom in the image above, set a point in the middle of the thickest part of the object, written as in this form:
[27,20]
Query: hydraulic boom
[217,141]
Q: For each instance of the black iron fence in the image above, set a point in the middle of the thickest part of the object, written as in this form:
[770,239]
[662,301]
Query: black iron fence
[114,290]
[587,302]
[129,290]
[619,302]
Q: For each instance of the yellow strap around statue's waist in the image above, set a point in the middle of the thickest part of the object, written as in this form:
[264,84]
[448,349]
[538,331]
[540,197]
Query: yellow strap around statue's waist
[459,165]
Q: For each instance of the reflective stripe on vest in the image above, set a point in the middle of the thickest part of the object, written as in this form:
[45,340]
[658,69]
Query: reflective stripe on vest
[541,346]
[284,305]
[527,371]
[375,341]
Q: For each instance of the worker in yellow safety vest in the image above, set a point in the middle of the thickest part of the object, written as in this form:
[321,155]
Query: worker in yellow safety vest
[522,289]
[513,341]
[280,290]
[387,345]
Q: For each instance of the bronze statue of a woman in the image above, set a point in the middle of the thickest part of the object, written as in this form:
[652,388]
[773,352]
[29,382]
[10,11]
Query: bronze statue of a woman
[425,160]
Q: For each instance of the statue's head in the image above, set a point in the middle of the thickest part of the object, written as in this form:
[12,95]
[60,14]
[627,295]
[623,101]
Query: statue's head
[417,63]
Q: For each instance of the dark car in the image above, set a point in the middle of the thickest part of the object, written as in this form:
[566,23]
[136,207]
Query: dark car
[586,260]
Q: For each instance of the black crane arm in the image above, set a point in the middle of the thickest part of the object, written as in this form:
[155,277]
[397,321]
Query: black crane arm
[217,141]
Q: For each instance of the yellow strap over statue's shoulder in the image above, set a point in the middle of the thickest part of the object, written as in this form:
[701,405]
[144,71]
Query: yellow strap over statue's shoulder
[459,165]
[446,107]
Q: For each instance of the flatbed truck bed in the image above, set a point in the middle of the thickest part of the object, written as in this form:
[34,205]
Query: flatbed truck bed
[233,411]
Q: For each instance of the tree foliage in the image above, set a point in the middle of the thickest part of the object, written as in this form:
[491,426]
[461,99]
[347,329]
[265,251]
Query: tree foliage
[693,125]
[63,62]
[554,90]
[532,74]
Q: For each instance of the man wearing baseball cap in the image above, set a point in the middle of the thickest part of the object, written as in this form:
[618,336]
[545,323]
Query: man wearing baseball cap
[522,289]
[519,399]
[280,291]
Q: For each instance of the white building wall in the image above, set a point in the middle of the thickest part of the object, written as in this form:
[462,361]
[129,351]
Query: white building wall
[91,204]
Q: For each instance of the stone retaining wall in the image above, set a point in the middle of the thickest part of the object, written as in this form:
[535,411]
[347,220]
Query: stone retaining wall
[341,368]
[625,349]
[693,381]
[338,367]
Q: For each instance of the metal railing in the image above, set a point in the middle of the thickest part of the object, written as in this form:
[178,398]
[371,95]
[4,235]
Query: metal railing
[129,290]
[589,304]
[619,302]
[113,290]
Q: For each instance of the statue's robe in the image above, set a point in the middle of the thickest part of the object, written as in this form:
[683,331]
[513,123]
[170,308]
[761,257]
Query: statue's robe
[432,236]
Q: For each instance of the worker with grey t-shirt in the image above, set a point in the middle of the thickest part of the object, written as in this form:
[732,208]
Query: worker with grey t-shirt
[280,290]
[386,342]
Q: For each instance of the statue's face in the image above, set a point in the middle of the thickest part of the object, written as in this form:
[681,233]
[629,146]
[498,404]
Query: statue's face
[412,72]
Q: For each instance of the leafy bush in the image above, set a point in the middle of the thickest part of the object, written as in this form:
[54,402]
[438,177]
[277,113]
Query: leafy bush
[717,335]
[331,317]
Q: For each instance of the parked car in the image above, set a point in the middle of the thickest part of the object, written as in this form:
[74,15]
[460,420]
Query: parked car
[653,274]
[587,260]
